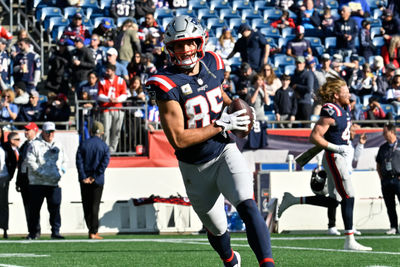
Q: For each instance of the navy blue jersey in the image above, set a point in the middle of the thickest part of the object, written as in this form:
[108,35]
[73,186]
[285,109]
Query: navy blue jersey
[5,67]
[28,63]
[200,98]
[339,133]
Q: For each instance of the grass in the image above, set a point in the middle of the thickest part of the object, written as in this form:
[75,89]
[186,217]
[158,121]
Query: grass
[181,251]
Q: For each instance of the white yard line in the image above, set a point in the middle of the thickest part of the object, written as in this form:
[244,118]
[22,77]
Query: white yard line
[9,265]
[20,255]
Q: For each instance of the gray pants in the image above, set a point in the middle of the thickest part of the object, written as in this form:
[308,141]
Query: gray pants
[112,121]
[4,185]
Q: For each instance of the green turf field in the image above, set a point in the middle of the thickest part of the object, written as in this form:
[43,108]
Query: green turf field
[194,250]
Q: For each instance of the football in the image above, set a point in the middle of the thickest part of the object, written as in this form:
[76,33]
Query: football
[238,104]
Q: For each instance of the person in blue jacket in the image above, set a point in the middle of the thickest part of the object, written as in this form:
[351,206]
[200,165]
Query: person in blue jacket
[92,159]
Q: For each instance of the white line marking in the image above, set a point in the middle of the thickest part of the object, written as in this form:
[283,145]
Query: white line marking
[21,255]
[8,265]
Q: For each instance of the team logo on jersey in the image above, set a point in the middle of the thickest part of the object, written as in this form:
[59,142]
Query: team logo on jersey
[186,89]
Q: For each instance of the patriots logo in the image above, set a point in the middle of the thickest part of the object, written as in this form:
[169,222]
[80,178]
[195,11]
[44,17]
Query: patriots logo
[330,110]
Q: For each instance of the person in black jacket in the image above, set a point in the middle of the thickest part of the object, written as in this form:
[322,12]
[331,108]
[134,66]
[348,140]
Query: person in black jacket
[92,159]
[82,63]
[58,75]
[346,31]
[142,7]
[285,103]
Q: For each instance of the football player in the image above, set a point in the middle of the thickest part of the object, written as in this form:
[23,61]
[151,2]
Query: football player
[193,114]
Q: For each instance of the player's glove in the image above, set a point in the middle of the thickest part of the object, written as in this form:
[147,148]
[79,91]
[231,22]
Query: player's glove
[254,114]
[233,121]
[338,149]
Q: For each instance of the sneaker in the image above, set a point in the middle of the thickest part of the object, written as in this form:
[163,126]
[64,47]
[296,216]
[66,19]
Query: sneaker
[57,236]
[333,231]
[238,258]
[352,244]
[95,236]
[30,237]
[392,231]
[287,201]
[356,232]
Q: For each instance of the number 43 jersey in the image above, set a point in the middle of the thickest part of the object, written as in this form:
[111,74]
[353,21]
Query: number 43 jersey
[339,133]
[200,98]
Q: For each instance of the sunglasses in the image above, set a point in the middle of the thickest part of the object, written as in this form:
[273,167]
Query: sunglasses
[16,139]
[7,96]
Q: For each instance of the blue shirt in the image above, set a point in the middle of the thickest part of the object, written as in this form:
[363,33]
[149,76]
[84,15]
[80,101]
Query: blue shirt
[92,159]
[30,113]
[5,115]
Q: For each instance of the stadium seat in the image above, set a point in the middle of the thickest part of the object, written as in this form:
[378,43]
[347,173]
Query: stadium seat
[121,20]
[272,14]
[91,13]
[388,108]
[260,23]
[228,13]
[281,60]
[213,23]
[105,4]
[272,42]
[165,21]
[218,32]
[218,4]
[378,42]
[375,22]
[197,4]
[57,32]
[87,22]
[55,21]
[314,41]
[374,4]
[98,20]
[47,12]
[335,13]
[213,40]
[70,11]
[287,31]
[89,4]
[282,42]
[289,69]
[333,4]
[185,11]
[270,32]
[260,5]
[365,100]
[375,31]
[241,4]
[249,14]
[235,62]
[377,13]
[234,23]
[330,43]
[206,13]
[162,13]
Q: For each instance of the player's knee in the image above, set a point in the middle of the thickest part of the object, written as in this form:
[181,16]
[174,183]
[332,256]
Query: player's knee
[247,208]
[333,202]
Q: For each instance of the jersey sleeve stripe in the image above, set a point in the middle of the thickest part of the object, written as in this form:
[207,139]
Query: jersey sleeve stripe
[338,111]
[160,82]
[218,59]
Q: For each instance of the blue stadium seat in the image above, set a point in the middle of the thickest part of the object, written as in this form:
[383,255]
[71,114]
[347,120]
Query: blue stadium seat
[377,13]
[213,23]
[335,13]
[374,4]
[249,14]
[55,21]
[235,62]
[98,20]
[234,23]
[272,42]
[388,108]
[121,20]
[314,41]
[282,42]
[228,13]
[378,42]
[47,12]
[89,4]
[260,23]
[241,4]
[218,4]
[272,14]
[185,11]
[87,22]
[105,4]
[281,60]
[206,13]
[330,43]
[218,32]
[287,31]
[270,32]
[213,40]
[289,69]
[260,5]
[57,32]
[70,11]
[333,4]
[375,22]
[165,21]
[197,4]
[91,13]
[162,13]
[375,31]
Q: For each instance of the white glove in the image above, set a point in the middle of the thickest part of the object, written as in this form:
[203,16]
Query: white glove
[343,149]
[254,114]
[233,121]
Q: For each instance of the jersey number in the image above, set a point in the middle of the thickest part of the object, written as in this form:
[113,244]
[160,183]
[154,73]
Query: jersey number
[198,108]
[346,132]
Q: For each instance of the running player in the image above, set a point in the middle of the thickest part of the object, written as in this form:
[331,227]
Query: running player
[191,103]
[332,132]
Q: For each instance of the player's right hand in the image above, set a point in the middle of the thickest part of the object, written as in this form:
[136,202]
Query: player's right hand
[233,121]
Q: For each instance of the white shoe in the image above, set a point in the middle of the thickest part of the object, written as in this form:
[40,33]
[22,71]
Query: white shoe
[239,259]
[287,201]
[392,231]
[333,231]
[356,232]
[352,244]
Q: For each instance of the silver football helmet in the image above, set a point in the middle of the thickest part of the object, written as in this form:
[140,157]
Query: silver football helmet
[183,28]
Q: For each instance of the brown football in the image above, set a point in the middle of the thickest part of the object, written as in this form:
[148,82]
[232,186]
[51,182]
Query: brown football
[238,104]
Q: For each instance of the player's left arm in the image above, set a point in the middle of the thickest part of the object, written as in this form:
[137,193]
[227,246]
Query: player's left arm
[225,98]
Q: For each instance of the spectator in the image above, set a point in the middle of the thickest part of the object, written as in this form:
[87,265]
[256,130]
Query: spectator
[285,103]
[366,83]
[14,50]
[346,30]
[58,109]
[127,42]
[225,43]
[252,46]
[135,92]
[153,120]
[308,16]
[22,183]
[271,81]
[378,66]
[92,159]
[33,111]
[228,85]
[122,8]
[5,34]
[244,77]
[9,111]
[58,77]
[112,55]
[284,21]
[149,25]
[46,161]
[112,91]
[326,67]
[383,82]
[367,48]
[387,166]
[82,63]
[4,65]
[394,7]
[4,186]
[375,112]
[99,55]
[149,67]
[356,112]
[144,7]
[311,64]
[90,87]
[299,46]
[27,65]
[106,32]
[76,29]
[303,83]
[135,67]
[21,96]
[338,65]
[393,91]
[390,25]
[12,153]
[259,97]
[359,9]
[390,52]
[327,22]
[151,42]
[284,4]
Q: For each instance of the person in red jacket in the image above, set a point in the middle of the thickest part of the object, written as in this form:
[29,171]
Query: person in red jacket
[284,21]
[112,92]
[375,112]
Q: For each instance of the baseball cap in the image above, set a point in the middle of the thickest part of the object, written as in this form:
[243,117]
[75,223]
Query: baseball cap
[243,27]
[354,57]
[3,41]
[78,16]
[79,38]
[20,85]
[337,58]
[326,56]
[49,126]
[390,66]
[106,23]
[300,29]
[387,13]
[97,127]
[34,93]
[112,51]
[300,59]
[31,126]
[353,97]
[378,62]
[397,72]
[311,60]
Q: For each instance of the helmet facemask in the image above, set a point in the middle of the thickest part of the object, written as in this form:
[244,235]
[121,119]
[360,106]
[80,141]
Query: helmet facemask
[186,59]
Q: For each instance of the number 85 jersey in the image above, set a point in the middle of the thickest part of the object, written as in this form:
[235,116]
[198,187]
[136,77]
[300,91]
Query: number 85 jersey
[339,133]
[200,98]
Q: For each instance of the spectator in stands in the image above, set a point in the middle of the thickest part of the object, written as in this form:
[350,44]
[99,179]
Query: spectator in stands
[366,83]
[9,110]
[299,46]
[244,77]
[58,109]
[22,183]
[225,43]
[26,65]
[76,29]
[14,50]
[92,159]
[259,97]
[46,161]
[337,66]
[135,67]
[135,92]
[4,65]
[303,83]
[284,21]
[33,111]
[153,119]
[367,48]
[112,92]
[394,7]
[149,67]
[144,7]
[21,96]
[58,77]
[356,112]
[390,24]
[82,63]
[390,51]
[327,22]
[151,42]
[121,71]
[393,91]
[127,42]
[105,31]
[99,54]
[12,153]
[4,186]
[378,66]
[285,103]
[359,9]
[122,8]
[149,24]
[228,85]
[383,82]
[252,46]
[311,64]
[346,30]
[308,16]
[90,87]
[271,81]
[326,67]
[284,4]
[375,112]
[5,34]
